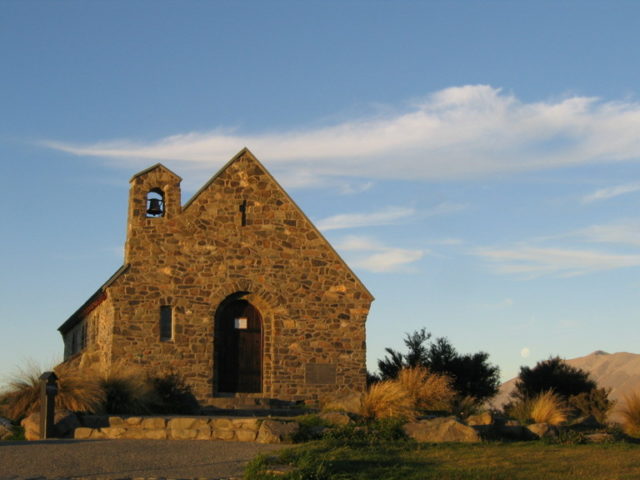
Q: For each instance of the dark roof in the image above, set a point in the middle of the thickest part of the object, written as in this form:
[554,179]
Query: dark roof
[91,303]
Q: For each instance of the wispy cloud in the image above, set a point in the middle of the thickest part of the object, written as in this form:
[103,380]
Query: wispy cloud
[533,262]
[370,255]
[623,232]
[385,216]
[611,192]
[457,132]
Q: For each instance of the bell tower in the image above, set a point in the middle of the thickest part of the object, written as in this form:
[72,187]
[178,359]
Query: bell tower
[154,203]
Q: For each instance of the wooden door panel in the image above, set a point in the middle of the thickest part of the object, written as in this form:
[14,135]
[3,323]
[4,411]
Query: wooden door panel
[239,350]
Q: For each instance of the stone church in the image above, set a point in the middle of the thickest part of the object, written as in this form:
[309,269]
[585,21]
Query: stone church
[235,290]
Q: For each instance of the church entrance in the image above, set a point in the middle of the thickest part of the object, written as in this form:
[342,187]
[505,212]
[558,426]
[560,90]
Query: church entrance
[238,346]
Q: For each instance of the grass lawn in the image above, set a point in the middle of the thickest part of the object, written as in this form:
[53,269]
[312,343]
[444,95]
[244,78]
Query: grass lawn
[408,461]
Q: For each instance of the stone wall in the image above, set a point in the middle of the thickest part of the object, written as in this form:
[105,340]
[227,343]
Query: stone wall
[192,428]
[313,308]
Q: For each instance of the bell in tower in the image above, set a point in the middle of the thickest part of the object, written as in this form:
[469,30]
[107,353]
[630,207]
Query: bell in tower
[155,204]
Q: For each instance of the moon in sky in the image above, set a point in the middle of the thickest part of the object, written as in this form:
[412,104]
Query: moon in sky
[524,353]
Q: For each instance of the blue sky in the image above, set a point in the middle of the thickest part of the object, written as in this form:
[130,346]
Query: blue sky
[476,163]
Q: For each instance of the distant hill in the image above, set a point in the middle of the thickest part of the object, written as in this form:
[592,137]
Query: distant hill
[618,371]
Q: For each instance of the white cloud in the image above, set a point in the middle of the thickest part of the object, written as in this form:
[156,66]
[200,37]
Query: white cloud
[457,132]
[385,216]
[611,192]
[389,260]
[537,261]
[624,232]
[375,257]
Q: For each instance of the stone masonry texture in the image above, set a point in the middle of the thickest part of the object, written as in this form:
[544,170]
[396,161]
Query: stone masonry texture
[193,257]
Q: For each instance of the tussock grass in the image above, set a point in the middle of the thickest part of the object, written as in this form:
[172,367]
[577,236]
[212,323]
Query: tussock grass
[548,408]
[388,399]
[428,391]
[630,413]
[77,391]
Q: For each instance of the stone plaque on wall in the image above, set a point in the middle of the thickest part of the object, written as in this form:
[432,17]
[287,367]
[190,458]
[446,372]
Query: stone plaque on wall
[320,374]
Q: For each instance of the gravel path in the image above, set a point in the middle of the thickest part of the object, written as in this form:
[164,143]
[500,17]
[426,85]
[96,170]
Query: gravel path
[127,459]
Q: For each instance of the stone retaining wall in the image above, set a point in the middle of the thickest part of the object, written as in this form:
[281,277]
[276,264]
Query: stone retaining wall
[192,428]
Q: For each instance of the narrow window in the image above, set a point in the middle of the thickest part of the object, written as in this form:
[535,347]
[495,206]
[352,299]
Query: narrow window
[243,213]
[166,323]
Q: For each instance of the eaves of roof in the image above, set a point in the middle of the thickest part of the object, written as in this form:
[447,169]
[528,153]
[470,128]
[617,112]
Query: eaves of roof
[93,301]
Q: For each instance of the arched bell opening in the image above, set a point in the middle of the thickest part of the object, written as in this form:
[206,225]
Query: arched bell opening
[155,203]
[238,346]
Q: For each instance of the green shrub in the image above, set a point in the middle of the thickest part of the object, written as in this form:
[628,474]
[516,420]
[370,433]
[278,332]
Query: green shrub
[127,391]
[173,396]
[519,410]
[376,432]
[595,402]
[311,428]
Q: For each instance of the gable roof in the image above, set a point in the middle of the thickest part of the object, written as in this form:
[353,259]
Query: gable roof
[153,167]
[237,157]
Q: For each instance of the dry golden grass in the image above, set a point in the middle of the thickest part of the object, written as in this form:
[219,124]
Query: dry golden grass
[388,399]
[77,391]
[630,413]
[428,391]
[548,408]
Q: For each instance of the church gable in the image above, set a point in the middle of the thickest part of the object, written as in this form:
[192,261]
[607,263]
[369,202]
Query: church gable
[244,202]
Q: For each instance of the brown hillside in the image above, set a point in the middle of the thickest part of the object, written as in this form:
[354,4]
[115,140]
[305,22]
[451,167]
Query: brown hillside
[618,371]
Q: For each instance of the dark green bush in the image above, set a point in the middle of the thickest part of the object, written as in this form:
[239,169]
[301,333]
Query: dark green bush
[595,403]
[372,433]
[173,396]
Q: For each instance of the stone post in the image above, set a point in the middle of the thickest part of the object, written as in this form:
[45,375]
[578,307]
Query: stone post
[48,392]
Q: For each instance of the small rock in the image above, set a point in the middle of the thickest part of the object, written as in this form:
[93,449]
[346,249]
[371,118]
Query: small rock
[82,433]
[156,434]
[252,424]
[244,435]
[440,430]
[350,402]
[153,423]
[183,433]
[223,434]
[336,418]
[274,431]
[484,418]
[113,432]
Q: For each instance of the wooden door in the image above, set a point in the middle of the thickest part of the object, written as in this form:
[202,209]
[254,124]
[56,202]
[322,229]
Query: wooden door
[239,348]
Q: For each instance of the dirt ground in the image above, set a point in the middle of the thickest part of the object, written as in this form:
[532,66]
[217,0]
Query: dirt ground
[127,459]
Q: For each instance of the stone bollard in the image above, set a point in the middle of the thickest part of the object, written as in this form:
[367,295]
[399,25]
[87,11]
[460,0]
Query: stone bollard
[48,392]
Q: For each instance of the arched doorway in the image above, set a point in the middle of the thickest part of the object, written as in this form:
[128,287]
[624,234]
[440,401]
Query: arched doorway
[238,346]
